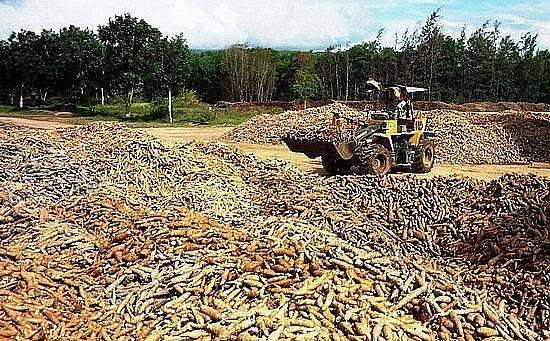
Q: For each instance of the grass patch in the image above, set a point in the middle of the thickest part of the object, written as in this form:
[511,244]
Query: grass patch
[144,115]
[233,117]
[5,108]
[9,110]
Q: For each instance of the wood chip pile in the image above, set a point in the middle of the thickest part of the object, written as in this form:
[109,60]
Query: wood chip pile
[462,138]
[201,242]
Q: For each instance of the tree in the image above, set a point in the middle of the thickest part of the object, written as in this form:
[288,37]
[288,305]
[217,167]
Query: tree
[236,75]
[77,62]
[4,84]
[428,52]
[527,79]
[168,68]
[128,44]
[175,67]
[129,57]
[24,63]
[389,66]
[285,75]
[453,69]
[541,62]
[307,84]
[263,74]
[481,53]
[46,52]
[362,65]
[207,71]
[507,62]
[332,68]
[249,74]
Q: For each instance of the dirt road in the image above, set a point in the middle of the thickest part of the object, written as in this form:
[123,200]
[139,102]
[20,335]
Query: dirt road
[483,172]
[35,122]
[175,135]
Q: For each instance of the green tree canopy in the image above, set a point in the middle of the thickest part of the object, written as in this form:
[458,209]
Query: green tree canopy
[307,84]
[24,63]
[127,57]
[77,62]
[128,43]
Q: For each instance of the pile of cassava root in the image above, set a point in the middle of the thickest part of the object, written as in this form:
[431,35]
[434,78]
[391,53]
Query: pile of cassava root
[138,240]
[462,137]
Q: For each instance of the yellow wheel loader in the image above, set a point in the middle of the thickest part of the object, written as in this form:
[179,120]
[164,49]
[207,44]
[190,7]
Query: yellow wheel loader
[382,140]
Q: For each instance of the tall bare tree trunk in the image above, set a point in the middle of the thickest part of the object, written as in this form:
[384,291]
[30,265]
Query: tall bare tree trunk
[347,75]
[21,97]
[170,105]
[337,77]
[43,95]
[431,77]
[129,99]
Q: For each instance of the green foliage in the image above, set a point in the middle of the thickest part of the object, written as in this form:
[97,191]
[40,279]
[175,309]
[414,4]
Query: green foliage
[307,85]
[24,64]
[285,75]
[130,46]
[168,67]
[4,76]
[186,98]
[6,108]
[194,115]
[147,114]
[131,62]
[116,100]
[207,72]
[140,111]
[75,61]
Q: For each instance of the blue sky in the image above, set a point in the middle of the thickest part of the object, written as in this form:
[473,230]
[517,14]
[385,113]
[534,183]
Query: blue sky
[306,24]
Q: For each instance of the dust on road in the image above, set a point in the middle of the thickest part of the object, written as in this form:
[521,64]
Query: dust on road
[202,133]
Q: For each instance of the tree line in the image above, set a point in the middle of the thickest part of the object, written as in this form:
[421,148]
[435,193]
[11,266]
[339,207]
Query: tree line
[127,58]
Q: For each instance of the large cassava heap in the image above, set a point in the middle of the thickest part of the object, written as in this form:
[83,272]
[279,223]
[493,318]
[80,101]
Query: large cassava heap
[138,240]
[462,138]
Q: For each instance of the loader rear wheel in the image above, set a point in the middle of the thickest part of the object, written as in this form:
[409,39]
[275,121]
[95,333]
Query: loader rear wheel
[375,159]
[424,157]
[335,166]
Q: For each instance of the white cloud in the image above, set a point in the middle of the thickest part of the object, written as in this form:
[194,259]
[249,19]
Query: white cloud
[307,24]
[207,23]
[543,37]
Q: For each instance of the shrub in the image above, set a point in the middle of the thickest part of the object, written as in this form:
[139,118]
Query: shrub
[186,98]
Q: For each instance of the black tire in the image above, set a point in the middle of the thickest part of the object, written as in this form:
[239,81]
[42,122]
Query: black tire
[335,166]
[375,159]
[424,157]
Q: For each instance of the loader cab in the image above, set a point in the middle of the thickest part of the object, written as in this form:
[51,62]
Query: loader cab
[398,112]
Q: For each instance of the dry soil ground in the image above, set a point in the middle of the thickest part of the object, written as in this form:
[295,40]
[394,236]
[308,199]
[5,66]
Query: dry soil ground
[174,135]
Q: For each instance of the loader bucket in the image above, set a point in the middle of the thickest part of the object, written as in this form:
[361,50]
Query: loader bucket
[346,149]
[311,148]
[315,148]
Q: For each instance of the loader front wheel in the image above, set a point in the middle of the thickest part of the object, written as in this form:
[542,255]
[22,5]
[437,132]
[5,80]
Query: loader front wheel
[335,166]
[375,159]
[424,157]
